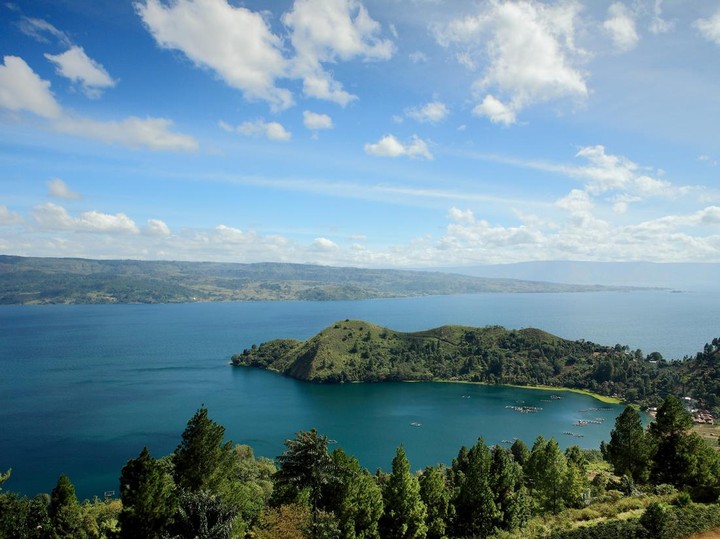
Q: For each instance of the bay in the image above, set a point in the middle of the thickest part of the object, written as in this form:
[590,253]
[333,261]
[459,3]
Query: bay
[85,387]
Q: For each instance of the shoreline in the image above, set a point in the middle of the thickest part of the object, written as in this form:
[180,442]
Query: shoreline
[602,398]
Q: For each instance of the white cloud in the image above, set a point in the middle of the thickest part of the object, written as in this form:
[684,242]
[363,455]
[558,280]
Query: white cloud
[620,26]
[418,57]
[710,28]
[609,172]
[59,189]
[8,217]
[389,146]
[156,227]
[432,112]
[325,31]
[259,127]
[22,89]
[234,42]
[461,216]
[324,244]
[658,25]
[77,66]
[313,120]
[495,110]
[53,217]
[527,50]
[38,28]
[133,132]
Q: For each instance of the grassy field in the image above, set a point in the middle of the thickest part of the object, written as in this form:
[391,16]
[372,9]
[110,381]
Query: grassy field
[710,433]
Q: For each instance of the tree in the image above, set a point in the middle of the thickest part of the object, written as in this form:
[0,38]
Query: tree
[553,483]
[305,464]
[404,511]
[520,452]
[510,495]
[475,511]
[148,496]
[23,518]
[629,449]
[290,521]
[202,461]
[357,499]
[203,515]
[672,423]
[4,477]
[436,496]
[64,511]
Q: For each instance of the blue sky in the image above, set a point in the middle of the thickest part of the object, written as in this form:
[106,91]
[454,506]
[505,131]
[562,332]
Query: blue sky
[382,133]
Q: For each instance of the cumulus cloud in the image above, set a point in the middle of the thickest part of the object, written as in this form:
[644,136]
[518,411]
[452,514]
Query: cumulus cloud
[233,42]
[324,244]
[8,217]
[133,132]
[526,49]
[158,228]
[54,217]
[77,66]
[57,188]
[620,26]
[260,128]
[22,89]
[389,146]
[710,28]
[608,172]
[325,31]
[433,112]
[495,110]
[315,121]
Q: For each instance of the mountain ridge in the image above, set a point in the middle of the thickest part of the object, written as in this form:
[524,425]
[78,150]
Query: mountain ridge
[33,280]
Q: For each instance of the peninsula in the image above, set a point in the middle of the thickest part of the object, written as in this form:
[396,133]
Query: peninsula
[359,351]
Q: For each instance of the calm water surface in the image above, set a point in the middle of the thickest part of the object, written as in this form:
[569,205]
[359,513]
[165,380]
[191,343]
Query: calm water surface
[84,388]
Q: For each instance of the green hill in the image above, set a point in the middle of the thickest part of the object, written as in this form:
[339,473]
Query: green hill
[357,351]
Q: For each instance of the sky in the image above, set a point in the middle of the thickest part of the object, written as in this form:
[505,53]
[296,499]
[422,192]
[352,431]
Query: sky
[375,133]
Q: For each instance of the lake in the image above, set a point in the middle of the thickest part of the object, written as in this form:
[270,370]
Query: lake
[85,387]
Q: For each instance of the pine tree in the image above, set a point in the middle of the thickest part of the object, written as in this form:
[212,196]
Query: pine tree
[64,511]
[436,496]
[202,461]
[510,494]
[629,449]
[553,484]
[672,423]
[357,501]
[475,511]
[404,511]
[148,498]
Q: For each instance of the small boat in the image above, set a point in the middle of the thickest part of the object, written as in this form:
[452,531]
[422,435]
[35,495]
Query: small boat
[415,424]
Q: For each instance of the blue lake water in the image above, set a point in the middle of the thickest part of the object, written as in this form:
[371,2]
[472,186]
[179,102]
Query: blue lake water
[84,387]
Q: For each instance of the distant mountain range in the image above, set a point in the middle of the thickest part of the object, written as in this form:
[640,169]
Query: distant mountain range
[28,280]
[681,276]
